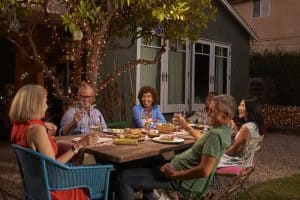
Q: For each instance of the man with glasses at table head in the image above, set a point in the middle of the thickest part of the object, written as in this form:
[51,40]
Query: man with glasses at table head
[80,117]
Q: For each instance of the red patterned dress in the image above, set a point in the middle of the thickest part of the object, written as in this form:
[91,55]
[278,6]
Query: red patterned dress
[19,136]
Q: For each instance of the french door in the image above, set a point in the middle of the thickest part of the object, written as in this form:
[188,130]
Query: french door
[211,71]
[186,73]
[169,76]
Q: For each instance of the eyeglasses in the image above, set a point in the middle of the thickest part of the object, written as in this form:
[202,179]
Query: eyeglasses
[86,97]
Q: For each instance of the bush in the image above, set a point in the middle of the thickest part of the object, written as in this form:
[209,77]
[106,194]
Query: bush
[284,69]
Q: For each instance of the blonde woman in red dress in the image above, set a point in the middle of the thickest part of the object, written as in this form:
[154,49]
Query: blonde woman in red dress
[27,110]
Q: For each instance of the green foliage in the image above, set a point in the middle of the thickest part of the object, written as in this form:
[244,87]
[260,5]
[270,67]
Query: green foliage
[283,68]
[129,18]
[279,189]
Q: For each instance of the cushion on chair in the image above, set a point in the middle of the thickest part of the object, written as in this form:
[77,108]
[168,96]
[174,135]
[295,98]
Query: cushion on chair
[232,170]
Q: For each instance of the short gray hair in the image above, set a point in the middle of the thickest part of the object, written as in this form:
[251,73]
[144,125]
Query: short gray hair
[226,104]
[85,86]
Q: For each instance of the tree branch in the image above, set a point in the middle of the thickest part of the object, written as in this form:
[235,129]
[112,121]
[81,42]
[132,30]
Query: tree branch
[46,70]
[134,63]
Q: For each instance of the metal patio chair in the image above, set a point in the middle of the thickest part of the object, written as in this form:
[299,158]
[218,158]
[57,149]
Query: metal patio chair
[41,174]
[231,179]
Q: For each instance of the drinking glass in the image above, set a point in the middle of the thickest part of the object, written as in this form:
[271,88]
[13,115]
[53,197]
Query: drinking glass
[95,123]
[175,121]
[183,112]
[201,117]
[80,111]
[147,120]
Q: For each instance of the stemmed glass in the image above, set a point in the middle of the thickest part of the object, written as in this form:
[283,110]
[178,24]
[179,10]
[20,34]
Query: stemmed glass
[80,111]
[202,117]
[175,121]
[183,112]
[95,123]
[147,120]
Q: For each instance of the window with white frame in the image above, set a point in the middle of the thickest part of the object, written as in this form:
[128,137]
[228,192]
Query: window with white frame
[261,8]
[187,72]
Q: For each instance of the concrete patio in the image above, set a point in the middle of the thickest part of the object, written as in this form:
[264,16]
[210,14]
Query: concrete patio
[279,157]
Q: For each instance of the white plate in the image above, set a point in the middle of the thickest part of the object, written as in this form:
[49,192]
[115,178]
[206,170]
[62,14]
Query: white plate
[76,139]
[113,130]
[181,132]
[174,141]
[102,139]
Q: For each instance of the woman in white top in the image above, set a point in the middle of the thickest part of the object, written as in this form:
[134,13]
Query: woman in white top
[250,130]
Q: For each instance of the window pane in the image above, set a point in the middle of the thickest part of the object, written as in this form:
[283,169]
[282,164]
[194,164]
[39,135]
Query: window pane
[206,49]
[221,71]
[202,48]
[156,42]
[201,77]
[265,5]
[220,51]
[150,75]
[176,77]
[256,8]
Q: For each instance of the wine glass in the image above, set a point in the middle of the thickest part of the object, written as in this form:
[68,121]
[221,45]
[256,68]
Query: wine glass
[95,123]
[80,112]
[175,121]
[147,120]
[183,112]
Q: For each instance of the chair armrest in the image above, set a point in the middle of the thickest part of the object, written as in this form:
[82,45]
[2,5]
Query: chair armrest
[95,178]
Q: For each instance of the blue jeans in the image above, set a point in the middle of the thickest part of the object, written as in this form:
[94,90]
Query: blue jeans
[145,179]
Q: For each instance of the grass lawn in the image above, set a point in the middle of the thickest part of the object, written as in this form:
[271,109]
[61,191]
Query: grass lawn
[278,189]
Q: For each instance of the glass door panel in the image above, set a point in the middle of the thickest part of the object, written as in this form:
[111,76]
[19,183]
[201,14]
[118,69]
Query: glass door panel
[176,73]
[150,74]
[201,72]
[221,60]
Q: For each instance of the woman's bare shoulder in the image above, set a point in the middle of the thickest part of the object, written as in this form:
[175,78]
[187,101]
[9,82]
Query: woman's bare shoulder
[36,128]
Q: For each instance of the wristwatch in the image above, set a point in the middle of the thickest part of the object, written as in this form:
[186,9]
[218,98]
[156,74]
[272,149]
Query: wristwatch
[74,149]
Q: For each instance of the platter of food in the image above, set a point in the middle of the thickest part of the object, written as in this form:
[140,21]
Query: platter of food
[125,141]
[100,139]
[113,130]
[135,134]
[153,133]
[165,127]
[168,139]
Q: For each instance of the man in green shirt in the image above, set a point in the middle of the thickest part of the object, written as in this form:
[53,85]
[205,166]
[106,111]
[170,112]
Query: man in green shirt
[192,170]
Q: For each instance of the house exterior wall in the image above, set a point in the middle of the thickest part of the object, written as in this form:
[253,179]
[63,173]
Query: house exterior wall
[118,106]
[227,30]
[278,31]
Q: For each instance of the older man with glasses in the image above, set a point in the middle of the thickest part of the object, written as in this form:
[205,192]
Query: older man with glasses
[83,115]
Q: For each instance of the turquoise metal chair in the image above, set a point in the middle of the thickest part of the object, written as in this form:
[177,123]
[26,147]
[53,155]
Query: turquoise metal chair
[41,174]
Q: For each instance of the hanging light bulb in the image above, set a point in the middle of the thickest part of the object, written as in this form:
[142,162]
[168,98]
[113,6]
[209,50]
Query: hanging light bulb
[78,35]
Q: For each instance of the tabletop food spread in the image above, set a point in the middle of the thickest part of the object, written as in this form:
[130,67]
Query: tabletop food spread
[132,136]
[129,145]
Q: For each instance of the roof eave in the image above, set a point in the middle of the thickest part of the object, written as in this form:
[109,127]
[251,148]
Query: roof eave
[239,19]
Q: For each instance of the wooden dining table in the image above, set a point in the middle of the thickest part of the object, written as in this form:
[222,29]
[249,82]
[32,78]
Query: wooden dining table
[119,154]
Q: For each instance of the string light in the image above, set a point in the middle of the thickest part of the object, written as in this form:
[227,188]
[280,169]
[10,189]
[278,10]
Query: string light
[281,116]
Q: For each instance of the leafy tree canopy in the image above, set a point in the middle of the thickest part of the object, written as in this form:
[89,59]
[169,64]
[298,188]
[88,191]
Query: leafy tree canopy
[93,22]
